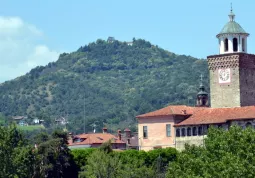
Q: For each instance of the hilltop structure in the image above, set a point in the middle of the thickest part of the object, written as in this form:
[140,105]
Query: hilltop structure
[232,98]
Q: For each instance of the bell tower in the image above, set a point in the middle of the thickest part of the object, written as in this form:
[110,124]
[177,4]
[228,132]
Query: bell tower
[232,71]
[202,96]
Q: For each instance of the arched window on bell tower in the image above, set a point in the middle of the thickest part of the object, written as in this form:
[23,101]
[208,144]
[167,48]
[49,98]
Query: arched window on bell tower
[226,45]
[235,45]
[243,44]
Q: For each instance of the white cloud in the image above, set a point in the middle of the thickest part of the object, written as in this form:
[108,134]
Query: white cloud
[19,48]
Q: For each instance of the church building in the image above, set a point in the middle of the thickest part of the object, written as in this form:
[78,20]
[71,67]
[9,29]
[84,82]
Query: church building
[232,98]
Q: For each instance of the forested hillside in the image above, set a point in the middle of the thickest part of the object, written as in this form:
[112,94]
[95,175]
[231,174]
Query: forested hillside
[109,83]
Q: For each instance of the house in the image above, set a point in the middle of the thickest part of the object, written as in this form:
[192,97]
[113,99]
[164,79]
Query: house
[232,98]
[37,121]
[130,43]
[20,120]
[131,139]
[156,129]
[95,140]
[61,121]
[110,39]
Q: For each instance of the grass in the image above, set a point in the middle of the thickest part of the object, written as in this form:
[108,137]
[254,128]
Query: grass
[31,127]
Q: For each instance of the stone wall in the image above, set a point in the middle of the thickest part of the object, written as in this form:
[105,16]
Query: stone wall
[227,94]
[247,79]
[241,90]
[191,140]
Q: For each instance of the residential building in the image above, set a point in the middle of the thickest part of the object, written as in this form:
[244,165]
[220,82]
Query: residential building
[95,140]
[20,120]
[110,39]
[131,139]
[61,121]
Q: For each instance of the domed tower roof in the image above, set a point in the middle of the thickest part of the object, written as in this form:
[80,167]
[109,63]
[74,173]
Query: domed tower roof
[232,27]
[202,90]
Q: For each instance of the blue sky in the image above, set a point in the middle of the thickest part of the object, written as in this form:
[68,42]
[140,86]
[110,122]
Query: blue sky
[35,32]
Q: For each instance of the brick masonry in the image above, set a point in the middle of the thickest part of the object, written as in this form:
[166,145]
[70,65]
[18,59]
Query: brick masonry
[241,90]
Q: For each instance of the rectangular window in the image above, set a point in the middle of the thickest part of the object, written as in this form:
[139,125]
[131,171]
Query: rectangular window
[168,130]
[145,132]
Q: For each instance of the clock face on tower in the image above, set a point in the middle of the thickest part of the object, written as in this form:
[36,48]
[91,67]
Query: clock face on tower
[224,75]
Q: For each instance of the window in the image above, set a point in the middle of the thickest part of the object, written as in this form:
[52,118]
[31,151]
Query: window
[235,44]
[243,44]
[177,133]
[194,130]
[204,101]
[226,44]
[145,132]
[183,132]
[200,129]
[168,130]
[248,124]
[188,131]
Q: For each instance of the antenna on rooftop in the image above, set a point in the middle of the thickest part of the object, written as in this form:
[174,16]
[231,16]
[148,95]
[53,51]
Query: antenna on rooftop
[84,126]
[94,126]
[231,7]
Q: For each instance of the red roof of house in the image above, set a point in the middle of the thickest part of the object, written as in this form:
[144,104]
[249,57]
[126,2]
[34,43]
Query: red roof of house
[94,138]
[219,115]
[171,110]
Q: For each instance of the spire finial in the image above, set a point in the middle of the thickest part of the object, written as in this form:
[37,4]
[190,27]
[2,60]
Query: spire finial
[201,79]
[231,15]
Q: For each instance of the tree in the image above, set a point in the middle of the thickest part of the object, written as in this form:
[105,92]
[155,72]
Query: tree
[16,158]
[225,154]
[54,158]
[102,165]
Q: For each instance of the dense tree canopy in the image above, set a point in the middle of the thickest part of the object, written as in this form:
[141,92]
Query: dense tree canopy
[225,154]
[50,158]
[107,82]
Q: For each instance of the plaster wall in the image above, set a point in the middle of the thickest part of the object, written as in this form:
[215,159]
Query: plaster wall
[157,136]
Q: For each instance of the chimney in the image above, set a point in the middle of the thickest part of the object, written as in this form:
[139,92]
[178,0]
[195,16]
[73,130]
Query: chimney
[119,134]
[127,132]
[104,130]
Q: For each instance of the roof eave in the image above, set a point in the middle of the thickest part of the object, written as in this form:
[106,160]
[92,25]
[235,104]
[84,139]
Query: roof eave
[221,34]
[140,117]
[220,122]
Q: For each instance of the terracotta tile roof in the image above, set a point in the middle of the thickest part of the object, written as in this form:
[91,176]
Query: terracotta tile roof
[171,110]
[94,138]
[219,115]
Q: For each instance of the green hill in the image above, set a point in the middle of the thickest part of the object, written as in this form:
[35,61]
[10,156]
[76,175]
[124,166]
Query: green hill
[109,83]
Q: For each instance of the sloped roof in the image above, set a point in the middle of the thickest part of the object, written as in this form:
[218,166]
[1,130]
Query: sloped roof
[19,117]
[95,138]
[219,115]
[232,27]
[170,111]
